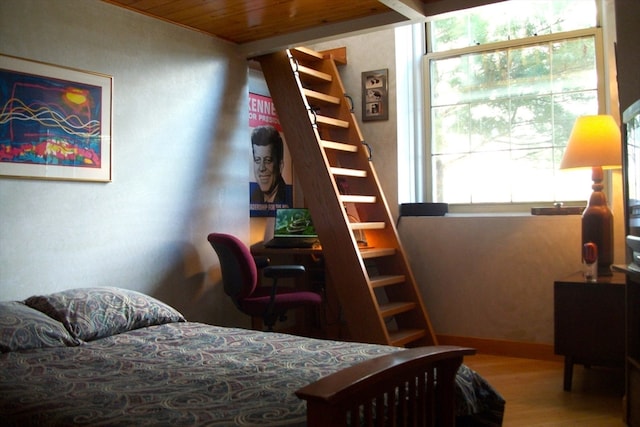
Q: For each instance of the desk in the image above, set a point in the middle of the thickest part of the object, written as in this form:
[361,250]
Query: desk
[260,249]
[326,322]
[589,322]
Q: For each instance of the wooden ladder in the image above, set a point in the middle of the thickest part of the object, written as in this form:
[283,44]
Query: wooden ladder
[374,283]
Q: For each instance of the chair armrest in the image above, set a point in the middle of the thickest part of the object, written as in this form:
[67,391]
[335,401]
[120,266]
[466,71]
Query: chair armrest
[279,271]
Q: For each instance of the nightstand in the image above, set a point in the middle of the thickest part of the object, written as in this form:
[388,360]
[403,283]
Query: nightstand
[589,322]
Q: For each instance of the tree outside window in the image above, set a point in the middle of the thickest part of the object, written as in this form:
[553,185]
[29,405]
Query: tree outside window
[503,95]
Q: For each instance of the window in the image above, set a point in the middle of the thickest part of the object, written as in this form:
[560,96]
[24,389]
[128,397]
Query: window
[504,85]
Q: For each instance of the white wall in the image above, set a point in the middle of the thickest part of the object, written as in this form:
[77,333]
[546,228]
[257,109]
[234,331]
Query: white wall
[180,162]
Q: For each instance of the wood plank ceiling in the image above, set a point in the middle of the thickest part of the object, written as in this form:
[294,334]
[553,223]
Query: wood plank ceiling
[261,26]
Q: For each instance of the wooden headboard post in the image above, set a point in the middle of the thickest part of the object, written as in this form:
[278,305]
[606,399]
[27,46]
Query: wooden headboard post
[416,385]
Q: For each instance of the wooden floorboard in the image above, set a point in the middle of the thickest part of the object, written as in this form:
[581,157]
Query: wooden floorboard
[535,396]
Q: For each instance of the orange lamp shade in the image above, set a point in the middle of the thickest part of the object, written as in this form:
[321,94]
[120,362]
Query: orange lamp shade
[594,141]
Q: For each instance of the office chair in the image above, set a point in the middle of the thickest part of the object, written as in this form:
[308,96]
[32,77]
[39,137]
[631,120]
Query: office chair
[240,280]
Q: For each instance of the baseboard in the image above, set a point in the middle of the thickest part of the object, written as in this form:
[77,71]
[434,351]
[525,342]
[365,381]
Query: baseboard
[503,348]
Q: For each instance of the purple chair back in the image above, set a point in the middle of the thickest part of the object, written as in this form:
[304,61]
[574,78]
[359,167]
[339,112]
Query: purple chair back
[239,271]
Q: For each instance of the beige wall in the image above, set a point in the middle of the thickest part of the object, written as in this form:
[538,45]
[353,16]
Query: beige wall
[367,52]
[492,277]
[181,171]
[481,276]
[180,167]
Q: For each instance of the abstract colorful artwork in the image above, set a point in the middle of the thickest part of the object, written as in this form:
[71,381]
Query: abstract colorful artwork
[55,122]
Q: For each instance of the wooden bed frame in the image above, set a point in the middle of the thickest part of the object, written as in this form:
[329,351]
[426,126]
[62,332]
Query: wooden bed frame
[406,377]
[146,340]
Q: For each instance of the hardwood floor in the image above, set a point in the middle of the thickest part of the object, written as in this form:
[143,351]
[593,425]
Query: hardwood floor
[535,397]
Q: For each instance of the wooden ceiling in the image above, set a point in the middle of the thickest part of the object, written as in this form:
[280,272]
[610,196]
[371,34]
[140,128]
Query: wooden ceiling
[260,26]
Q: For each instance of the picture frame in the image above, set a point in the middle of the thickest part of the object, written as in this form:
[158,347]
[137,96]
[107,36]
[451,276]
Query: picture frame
[375,95]
[55,122]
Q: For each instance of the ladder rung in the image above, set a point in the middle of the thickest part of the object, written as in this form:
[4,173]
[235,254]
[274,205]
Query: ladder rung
[322,97]
[348,198]
[376,252]
[402,337]
[331,121]
[367,225]
[339,146]
[302,53]
[392,308]
[380,281]
[315,75]
[349,172]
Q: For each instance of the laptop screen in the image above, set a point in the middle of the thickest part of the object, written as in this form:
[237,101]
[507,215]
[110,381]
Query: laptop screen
[294,222]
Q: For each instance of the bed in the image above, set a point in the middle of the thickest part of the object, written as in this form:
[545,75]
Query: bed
[110,356]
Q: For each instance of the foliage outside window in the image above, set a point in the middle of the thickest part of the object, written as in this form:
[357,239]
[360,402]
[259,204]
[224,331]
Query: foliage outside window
[505,85]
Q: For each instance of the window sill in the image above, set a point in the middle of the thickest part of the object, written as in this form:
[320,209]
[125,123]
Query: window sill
[513,209]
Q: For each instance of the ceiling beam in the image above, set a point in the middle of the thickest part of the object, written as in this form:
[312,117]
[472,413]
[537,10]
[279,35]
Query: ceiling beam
[403,12]
[412,9]
[438,7]
[322,33]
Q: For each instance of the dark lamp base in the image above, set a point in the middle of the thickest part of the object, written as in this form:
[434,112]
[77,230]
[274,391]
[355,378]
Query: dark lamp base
[597,227]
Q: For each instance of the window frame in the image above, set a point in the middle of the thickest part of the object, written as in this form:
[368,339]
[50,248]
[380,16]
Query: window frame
[507,207]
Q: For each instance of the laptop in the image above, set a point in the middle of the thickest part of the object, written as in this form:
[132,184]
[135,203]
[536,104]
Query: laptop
[293,228]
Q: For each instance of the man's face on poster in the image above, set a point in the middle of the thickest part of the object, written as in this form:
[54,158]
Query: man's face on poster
[266,167]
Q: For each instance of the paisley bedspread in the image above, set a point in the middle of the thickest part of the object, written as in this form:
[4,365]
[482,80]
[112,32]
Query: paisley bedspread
[183,374]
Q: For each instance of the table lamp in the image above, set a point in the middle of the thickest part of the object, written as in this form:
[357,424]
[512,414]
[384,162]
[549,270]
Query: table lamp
[596,142]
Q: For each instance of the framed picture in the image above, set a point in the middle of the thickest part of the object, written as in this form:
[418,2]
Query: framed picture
[375,95]
[55,122]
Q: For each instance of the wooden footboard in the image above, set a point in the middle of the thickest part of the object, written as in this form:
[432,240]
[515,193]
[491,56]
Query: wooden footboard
[396,389]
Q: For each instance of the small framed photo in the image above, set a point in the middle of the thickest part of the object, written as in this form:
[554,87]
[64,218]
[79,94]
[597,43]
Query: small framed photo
[375,95]
[56,122]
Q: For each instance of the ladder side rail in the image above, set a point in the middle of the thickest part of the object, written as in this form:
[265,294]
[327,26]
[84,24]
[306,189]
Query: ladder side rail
[333,121]
[339,247]
[392,238]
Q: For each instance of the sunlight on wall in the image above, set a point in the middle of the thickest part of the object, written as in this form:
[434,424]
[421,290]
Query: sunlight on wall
[179,162]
